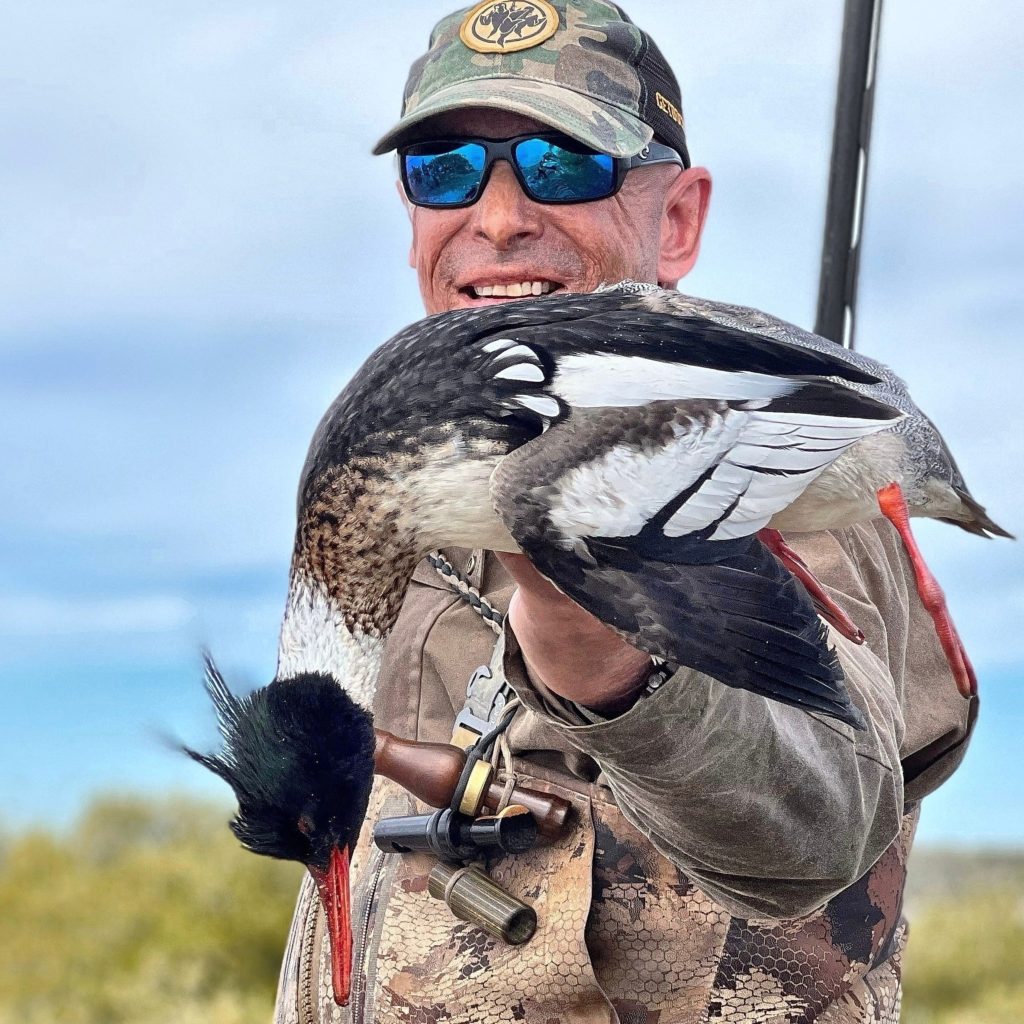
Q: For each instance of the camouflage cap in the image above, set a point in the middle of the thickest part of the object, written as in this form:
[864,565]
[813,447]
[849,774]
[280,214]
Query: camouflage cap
[580,66]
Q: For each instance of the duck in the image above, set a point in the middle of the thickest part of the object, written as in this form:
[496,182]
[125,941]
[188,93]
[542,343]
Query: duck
[646,451]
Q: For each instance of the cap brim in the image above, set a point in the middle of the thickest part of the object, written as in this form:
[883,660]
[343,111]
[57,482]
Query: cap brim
[601,126]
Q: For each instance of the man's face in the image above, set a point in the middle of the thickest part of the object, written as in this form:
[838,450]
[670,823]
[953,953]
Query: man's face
[507,239]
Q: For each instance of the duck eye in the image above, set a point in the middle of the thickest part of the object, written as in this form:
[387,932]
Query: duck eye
[305,825]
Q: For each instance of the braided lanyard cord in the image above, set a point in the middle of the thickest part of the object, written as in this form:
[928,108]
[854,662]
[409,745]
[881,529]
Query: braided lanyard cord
[500,754]
[466,591]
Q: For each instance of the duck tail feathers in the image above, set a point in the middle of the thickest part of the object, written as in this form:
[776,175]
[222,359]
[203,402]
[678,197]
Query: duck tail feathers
[976,520]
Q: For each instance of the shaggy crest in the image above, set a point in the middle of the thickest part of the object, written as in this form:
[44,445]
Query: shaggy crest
[294,753]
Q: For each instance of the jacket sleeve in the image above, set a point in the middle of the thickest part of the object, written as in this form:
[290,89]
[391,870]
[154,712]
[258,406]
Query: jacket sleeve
[770,809]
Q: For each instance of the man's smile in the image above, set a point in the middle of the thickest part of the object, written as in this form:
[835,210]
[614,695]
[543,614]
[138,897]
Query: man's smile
[489,289]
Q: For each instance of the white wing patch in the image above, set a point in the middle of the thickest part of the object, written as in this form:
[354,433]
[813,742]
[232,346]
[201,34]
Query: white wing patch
[590,380]
[617,494]
[543,405]
[530,372]
[517,352]
[511,360]
[760,463]
[779,456]
[498,344]
[526,365]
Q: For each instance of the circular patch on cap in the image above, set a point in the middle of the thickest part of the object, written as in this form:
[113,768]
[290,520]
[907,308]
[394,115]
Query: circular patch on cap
[502,26]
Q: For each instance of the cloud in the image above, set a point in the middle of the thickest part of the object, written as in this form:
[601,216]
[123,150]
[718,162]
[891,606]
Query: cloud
[199,251]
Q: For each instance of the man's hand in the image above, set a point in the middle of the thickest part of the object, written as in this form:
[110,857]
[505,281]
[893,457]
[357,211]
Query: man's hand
[572,653]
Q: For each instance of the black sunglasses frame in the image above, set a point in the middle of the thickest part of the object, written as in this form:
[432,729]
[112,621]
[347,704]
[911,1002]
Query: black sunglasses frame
[504,149]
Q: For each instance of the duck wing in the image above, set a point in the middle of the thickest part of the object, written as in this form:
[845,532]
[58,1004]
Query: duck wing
[931,460]
[642,500]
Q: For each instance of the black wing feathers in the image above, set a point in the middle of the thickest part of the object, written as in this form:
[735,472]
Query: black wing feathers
[744,619]
[696,340]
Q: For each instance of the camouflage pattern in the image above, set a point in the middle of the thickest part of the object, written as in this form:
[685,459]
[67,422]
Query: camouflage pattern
[582,80]
[623,935]
[421,964]
[663,951]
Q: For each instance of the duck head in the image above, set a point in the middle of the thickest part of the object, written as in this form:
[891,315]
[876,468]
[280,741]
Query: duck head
[298,754]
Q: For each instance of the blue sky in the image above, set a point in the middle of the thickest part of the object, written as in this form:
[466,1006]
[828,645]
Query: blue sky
[197,250]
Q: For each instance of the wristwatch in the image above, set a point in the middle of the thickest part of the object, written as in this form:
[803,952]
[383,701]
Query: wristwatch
[661,673]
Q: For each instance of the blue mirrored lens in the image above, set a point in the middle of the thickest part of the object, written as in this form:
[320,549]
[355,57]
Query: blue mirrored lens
[554,172]
[444,178]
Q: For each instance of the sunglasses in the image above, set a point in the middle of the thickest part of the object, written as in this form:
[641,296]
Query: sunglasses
[550,168]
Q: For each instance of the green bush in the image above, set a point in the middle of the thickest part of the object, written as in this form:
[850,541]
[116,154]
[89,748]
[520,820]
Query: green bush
[965,961]
[144,913]
[151,913]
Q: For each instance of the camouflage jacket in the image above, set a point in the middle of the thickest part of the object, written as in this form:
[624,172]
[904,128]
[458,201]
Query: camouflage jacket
[729,858]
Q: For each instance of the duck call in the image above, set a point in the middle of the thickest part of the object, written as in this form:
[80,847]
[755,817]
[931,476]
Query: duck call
[454,837]
[431,771]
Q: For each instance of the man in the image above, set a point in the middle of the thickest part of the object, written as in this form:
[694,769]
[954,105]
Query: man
[727,857]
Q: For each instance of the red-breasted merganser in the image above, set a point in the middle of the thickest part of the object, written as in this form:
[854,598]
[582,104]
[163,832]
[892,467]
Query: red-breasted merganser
[634,443]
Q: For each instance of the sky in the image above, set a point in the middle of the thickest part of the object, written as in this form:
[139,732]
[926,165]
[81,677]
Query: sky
[197,250]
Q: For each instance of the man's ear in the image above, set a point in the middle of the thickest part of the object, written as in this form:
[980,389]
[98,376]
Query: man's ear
[686,209]
[408,209]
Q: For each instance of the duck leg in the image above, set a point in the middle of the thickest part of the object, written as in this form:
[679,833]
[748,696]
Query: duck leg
[894,507]
[823,604]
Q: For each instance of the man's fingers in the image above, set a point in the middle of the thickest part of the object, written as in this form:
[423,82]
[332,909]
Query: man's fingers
[521,569]
[538,598]
[569,650]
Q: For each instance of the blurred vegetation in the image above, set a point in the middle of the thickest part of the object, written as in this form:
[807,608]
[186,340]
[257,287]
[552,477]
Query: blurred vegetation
[965,961]
[143,913]
[151,913]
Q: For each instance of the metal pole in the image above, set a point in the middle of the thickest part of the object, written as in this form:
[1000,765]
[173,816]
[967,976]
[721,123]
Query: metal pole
[847,180]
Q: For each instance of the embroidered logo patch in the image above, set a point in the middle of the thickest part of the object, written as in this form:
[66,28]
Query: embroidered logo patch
[508,25]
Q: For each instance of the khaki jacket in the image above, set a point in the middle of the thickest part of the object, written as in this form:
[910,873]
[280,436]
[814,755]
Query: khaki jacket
[729,858]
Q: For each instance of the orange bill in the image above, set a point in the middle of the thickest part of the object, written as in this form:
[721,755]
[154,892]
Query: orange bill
[334,892]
